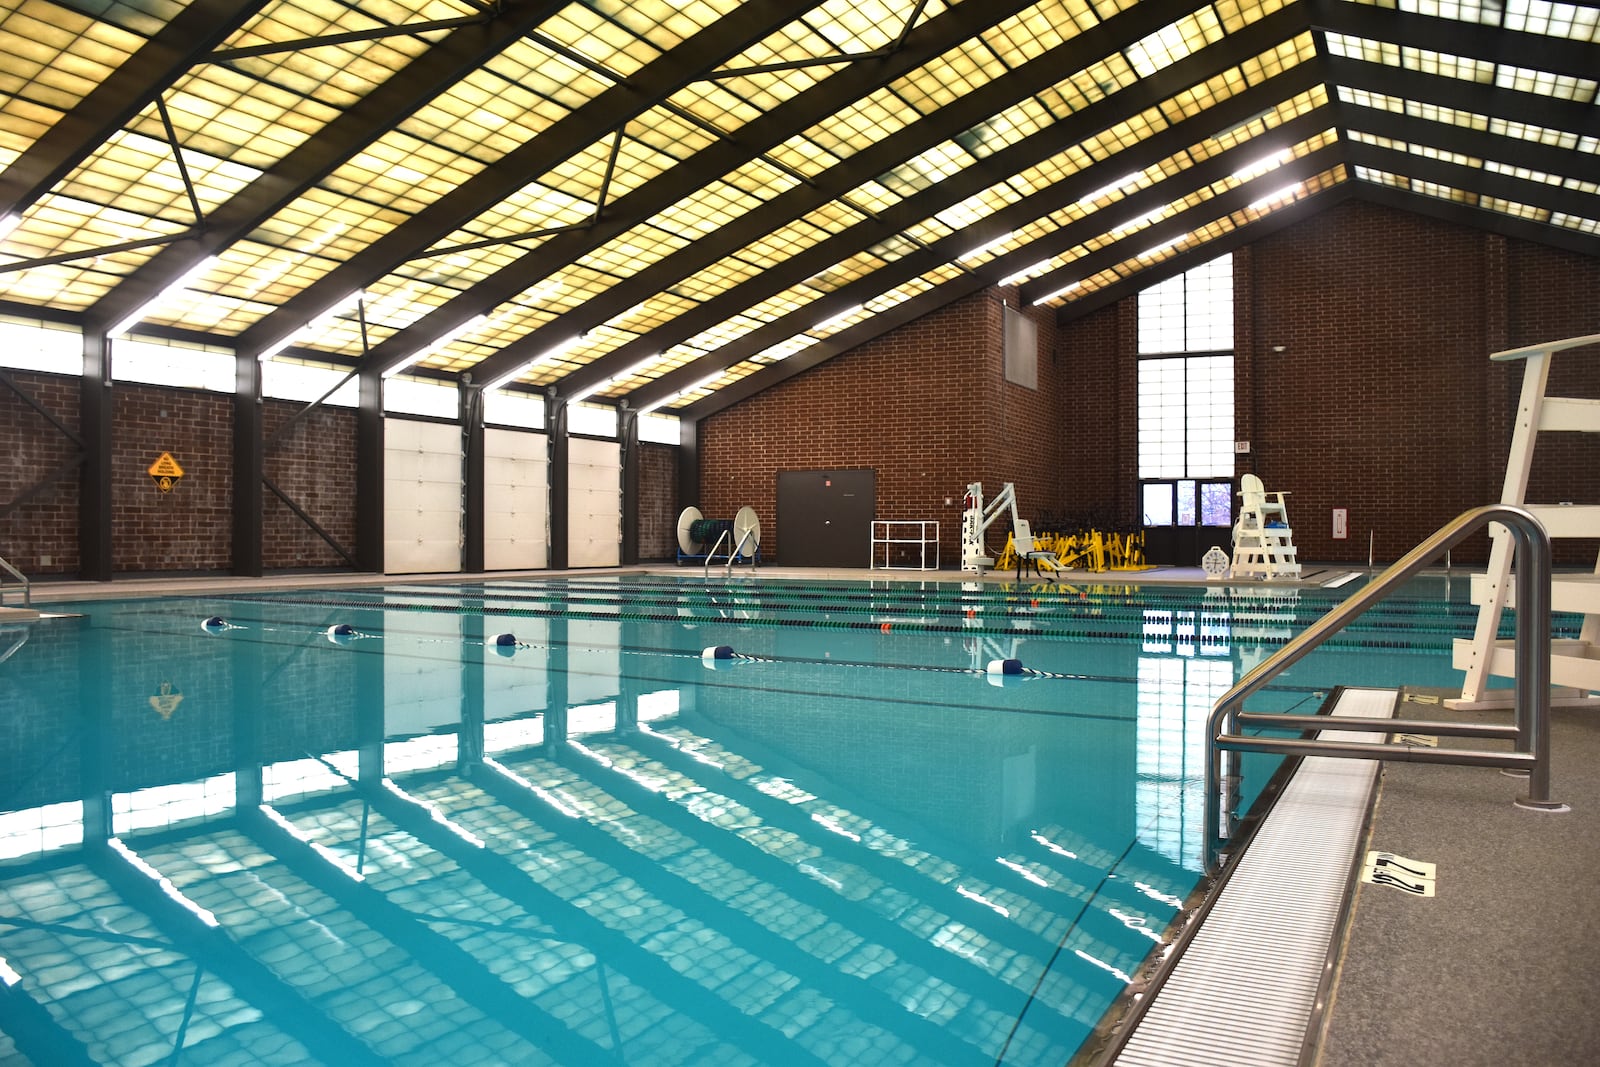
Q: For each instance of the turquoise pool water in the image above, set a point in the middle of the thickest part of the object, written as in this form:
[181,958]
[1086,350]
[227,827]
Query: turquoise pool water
[532,822]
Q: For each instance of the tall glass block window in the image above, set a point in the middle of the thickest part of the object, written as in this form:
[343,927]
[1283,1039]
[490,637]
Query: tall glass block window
[1185,385]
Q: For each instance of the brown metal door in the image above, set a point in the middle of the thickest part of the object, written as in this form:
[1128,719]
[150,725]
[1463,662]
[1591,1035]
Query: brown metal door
[825,517]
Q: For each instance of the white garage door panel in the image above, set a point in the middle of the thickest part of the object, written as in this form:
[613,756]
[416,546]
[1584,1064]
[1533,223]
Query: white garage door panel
[516,524]
[422,497]
[594,503]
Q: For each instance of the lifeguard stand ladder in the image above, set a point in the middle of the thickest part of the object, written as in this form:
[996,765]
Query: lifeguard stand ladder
[1574,664]
[1263,543]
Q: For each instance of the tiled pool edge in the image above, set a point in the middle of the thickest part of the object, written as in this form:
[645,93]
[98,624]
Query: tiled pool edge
[1247,984]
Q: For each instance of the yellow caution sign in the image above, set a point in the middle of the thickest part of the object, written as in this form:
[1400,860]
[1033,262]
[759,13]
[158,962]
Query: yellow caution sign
[166,472]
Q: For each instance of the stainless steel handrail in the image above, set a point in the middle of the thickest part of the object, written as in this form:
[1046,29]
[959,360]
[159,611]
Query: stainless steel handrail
[739,551]
[27,591]
[705,571]
[1532,664]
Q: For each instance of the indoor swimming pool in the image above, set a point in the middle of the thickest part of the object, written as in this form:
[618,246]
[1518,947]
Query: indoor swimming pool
[624,819]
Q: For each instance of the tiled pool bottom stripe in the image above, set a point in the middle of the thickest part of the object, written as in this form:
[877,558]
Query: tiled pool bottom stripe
[885,624]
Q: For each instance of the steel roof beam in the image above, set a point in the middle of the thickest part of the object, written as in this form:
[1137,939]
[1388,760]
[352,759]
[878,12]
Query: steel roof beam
[381,110]
[1510,104]
[728,36]
[1460,140]
[1475,180]
[1477,218]
[133,86]
[959,115]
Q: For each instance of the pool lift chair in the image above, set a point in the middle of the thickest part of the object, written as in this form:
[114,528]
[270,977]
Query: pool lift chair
[978,516]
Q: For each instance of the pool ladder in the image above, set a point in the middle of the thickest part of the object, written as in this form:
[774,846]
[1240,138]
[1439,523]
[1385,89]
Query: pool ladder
[1529,729]
[733,553]
[27,589]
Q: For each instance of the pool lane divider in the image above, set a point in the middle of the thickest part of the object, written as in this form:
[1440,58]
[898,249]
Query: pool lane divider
[967,627]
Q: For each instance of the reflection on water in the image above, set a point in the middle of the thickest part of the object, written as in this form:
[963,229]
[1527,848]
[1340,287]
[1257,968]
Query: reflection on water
[536,823]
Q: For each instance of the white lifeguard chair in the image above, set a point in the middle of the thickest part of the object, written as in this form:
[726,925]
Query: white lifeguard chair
[1574,663]
[1263,542]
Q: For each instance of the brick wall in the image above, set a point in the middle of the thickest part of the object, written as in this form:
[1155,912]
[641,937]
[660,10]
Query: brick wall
[314,463]
[925,407]
[189,528]
[658,502]
[1382,399]
[39,536]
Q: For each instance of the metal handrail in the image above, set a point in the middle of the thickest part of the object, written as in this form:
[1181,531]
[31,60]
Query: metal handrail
[738,552]
[27,591]
[1531,730]
[705,571]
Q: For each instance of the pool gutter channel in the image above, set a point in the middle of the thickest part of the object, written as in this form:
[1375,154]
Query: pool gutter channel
[1205,1018]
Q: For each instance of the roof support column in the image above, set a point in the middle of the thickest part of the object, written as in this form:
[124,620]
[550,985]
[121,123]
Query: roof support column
[556,421]
[94,496]
[628,438]
[369,472]
[248,468]
[473,494]
[688,463]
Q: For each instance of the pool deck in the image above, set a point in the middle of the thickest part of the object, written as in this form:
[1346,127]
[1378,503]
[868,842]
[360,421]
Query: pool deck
[1497,969]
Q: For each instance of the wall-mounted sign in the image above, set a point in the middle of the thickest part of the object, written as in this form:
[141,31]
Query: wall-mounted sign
[166,472]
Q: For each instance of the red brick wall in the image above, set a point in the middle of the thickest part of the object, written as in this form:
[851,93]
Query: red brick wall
[45,526]
[926,407]
[314,463]
[189,528]
[1383,400]
[658,502]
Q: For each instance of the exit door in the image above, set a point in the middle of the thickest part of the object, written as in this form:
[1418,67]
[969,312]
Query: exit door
[1182,519]
[825,517]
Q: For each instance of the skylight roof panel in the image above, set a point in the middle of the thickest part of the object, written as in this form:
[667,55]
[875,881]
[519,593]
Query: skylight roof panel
[1575,222]
[1452,116]
[718,278]
[225,114]
[585,31]
[533,208]
[802,156]
[633,251]
[1592,188]
[781,244]
[862,124]
[707,210]
[718,104]
[1100,79]
[1529,132]
[1274,61]
[1427,61]
[1494,166]
[1577,23]
[762,180]
[1173,42]
[858,26]
[1377,101]
[1459,10]
[669,134]
[659,310]
[140,175]
[1511,207]
[1346,46]
[1034,31]
[583,174]
[55,56]
[947,78]
[871,196]
[1543,83]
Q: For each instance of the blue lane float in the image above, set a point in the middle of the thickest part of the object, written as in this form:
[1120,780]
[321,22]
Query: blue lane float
[214,625]
[504,645]
[341,633]
[718,657]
